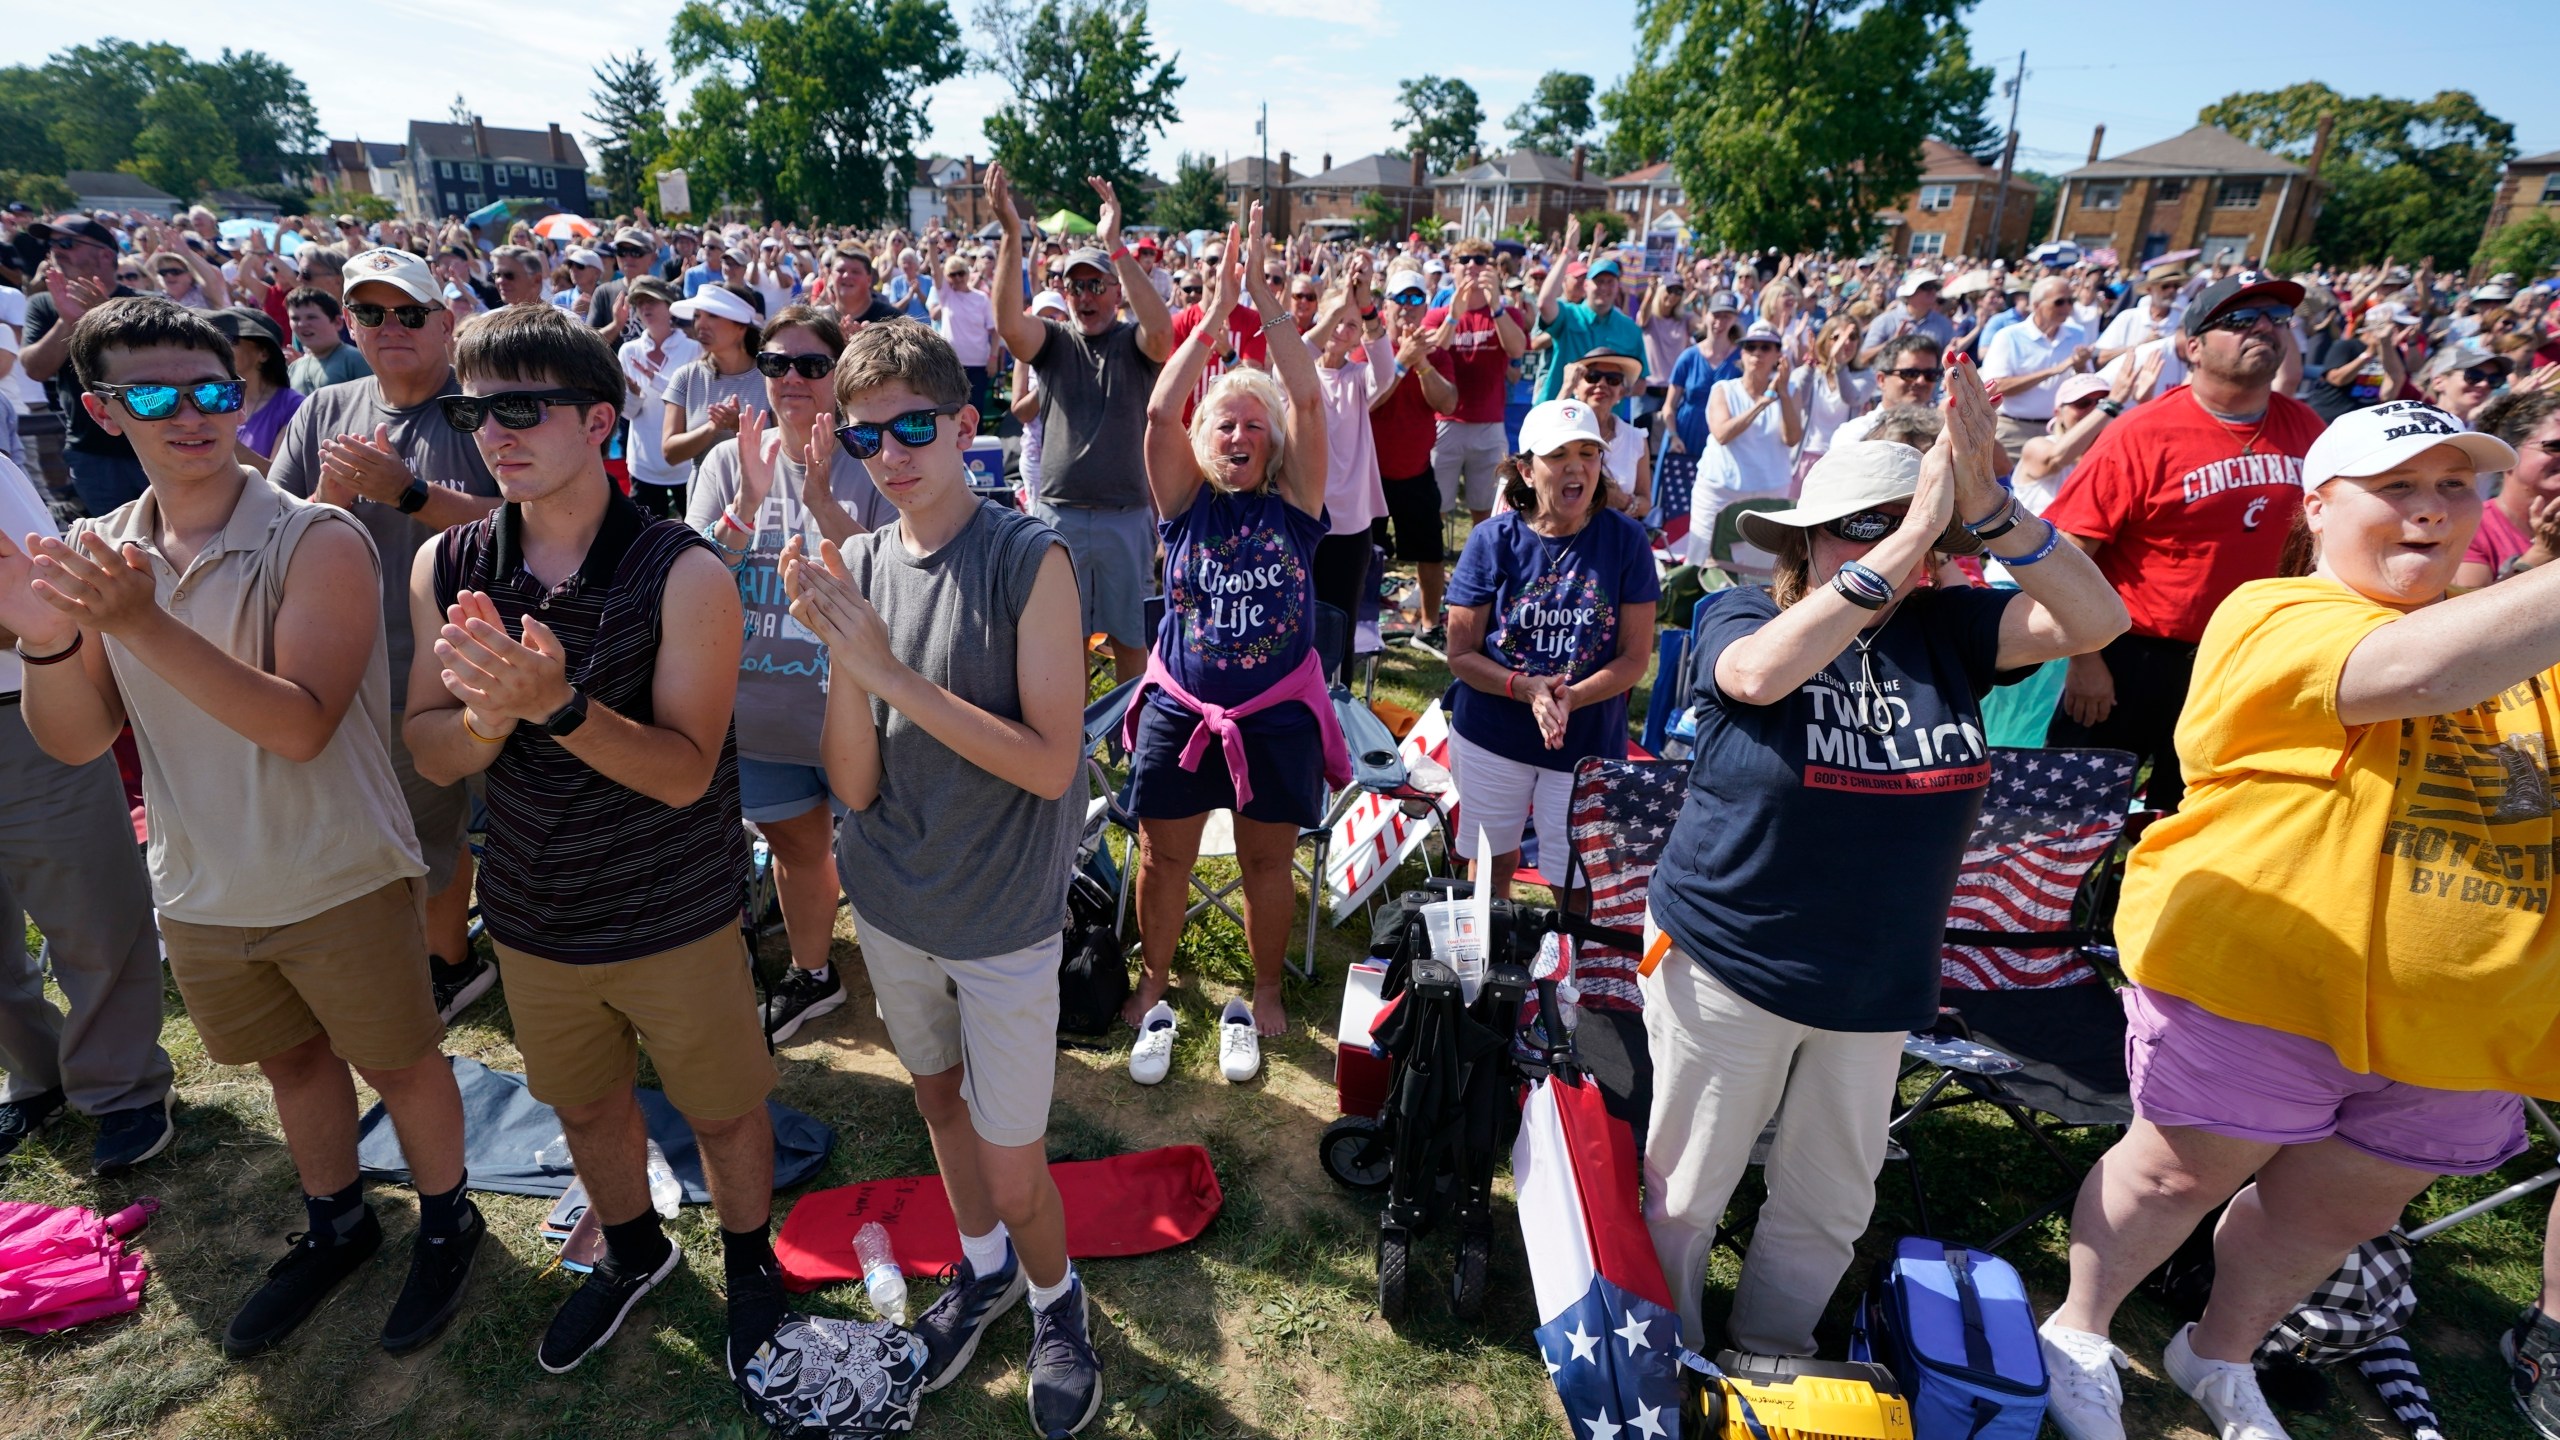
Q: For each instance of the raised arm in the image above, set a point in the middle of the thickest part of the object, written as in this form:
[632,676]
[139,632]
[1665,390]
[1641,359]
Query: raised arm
[1021,332]
[1296,368]
[1173,472]
[1552,287]
[1155,323]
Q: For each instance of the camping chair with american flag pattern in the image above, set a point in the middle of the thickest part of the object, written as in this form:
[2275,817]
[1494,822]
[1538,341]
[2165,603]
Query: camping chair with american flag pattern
[2027,1023]
[1619,817]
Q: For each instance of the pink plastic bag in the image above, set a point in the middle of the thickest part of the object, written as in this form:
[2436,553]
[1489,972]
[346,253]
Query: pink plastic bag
[62,1267]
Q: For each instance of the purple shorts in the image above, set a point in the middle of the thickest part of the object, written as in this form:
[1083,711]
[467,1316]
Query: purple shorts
[2192,1067]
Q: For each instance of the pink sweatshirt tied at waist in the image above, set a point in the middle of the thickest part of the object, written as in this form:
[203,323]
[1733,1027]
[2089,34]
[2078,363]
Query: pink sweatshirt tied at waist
[1305,685]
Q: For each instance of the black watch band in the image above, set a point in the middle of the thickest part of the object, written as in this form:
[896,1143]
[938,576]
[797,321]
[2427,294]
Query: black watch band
[413,499]
[2112,406]
[564,722]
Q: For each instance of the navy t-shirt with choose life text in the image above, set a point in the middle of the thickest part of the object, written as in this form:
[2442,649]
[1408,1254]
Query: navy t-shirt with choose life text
[1554,611]
[1814,859]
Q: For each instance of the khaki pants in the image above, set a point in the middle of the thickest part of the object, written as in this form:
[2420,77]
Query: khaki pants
[1723,1067]
[2015,433]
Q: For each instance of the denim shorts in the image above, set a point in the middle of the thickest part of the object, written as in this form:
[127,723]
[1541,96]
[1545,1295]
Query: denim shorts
[769,790]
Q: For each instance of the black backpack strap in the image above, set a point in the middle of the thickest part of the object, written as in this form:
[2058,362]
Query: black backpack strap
[1977,1336]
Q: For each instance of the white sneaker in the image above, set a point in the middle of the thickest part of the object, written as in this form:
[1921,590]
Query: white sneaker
[2084,1399]
[2229,1393]
[1239,1047]
[1152,1056]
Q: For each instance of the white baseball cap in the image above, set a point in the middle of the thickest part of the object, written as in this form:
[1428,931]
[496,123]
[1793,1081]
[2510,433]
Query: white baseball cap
[1849,478]
[2379,437]
[1050,300]
[714,300]
[588,258]
[398,269]
[1912,282]
[1558,423]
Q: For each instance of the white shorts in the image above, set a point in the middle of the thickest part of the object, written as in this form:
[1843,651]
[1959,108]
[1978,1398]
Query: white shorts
[998,1017]
[1498,797]
[1464,454]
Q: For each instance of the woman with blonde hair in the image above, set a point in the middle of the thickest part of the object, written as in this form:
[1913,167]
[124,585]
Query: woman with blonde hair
[1830,390]
[1232,712]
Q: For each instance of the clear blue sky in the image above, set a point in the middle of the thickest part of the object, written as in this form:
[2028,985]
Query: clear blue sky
[1329,68]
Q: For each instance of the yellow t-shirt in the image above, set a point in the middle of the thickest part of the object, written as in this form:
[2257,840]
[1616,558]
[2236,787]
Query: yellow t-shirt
[2384,889]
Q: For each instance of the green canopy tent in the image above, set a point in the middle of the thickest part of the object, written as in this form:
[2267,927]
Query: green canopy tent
[1066,222]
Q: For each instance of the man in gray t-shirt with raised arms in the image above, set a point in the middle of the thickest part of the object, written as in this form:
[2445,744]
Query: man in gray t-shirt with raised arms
[1096,375]
[958,832]
[379,447]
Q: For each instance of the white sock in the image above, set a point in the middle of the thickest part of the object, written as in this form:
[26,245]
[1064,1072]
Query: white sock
[985,1252]
[1044,1296]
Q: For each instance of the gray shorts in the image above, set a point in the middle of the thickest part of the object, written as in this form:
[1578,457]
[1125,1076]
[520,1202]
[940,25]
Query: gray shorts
[1115,557]
[997,1017]
[1463,457]
[441,813]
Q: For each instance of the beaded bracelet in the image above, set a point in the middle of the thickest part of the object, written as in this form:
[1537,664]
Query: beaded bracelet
[2052,538]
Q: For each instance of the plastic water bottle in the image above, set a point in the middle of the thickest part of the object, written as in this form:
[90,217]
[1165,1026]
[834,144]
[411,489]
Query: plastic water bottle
[666,1193]
[880,1274]
[1568,1004]
[553,1155]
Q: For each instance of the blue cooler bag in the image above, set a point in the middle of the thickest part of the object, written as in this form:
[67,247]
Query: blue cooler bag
[1954,1326]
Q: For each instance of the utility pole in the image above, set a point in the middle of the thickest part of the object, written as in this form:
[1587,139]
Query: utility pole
[2008,153]
[1262,128]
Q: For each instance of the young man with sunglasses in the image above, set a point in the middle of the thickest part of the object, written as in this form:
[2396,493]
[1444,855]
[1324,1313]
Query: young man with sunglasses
[2181,502]
[1480,334]
[585,662]
[239,631]
[1096,375]
[937,774]
[379,448]
[104,473]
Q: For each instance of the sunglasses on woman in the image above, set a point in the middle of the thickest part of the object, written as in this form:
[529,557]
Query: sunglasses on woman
[774,364]
[517,410]
[1610,378]
[371,316]
[159,402]
[915,429]
[1864,528]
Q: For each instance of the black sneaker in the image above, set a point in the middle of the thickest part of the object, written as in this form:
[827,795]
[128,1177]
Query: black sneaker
[799,997]
[591,1316]
[951,1325]
[458,984]
[22,1118]
[757,1309]
[1434,639]
[126,1138]
[2532,1349]
[296,1285]
[1066,1376]
[439,1270]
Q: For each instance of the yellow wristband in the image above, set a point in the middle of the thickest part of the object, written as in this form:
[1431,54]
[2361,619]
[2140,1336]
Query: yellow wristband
[474,732]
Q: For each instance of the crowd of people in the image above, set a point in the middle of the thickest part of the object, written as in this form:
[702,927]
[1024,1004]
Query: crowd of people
[346,534]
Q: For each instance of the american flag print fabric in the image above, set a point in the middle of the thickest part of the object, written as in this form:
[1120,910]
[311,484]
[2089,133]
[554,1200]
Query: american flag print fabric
[2048,816]
[1620,816]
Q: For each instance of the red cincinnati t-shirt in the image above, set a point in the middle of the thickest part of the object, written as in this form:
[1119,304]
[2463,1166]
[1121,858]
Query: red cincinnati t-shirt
[1244,336]
[1404,428]
[2188,508]
[1475,362]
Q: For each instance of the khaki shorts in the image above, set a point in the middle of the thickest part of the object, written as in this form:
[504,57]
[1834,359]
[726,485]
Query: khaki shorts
[997,1016]
[580,1027]
[356,972]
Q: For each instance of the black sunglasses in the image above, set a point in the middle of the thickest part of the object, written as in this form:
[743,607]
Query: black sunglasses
[411,317]
[1475,259]
[2485,374]
[517,410]
[1603,377]
[774,364]
[74,242]
[1915,372]
[1190,289]
[2247,316]
[915,429]
[159,402]
[630,249]
[1864,528]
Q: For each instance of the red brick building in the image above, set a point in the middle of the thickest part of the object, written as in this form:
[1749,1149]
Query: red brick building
[2206,190]
[2530,185]
[1342,192]
[1951,211]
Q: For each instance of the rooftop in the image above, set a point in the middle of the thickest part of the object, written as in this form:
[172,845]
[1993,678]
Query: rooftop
[1525,167]
[1941,162]
[439,140]
[2205,150]
[1370,172]
[113,185]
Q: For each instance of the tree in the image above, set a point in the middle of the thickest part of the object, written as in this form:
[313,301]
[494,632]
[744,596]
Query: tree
[2405,177]
[96,95]
[631,113]
[811,108]
[1196,200]
[1556,117]
[26,117]
[88,108]
[274,129]
[183,147]
[1791,124]
[43,193]
[2528,247]
[1088,92]
[1618,227]
[1440,118]
[459,112]
[2048,199]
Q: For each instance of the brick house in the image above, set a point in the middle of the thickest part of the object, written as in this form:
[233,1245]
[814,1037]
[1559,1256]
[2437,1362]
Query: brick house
[459,168]
[2204,190]
[1650,196]
[1342,192]
[950,190]
[1523,187]
[1950,212]
[2529,185]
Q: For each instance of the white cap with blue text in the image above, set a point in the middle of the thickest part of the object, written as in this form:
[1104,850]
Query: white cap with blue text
[2377,438]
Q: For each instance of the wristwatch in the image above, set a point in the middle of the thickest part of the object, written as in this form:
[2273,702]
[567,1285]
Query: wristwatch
[560,724]
[413,499]
[2112,406]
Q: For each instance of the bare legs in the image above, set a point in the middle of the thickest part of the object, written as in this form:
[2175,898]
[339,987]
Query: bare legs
[610,1144]
[1168,851]
[988,1183]
[804,878]
[316,1103]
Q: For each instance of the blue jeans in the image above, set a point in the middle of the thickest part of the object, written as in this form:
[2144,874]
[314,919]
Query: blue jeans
[104,482]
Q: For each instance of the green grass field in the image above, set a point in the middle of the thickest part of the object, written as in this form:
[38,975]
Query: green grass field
[1265,1327]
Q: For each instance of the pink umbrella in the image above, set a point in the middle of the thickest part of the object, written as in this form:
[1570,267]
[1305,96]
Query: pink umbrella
[60,1267]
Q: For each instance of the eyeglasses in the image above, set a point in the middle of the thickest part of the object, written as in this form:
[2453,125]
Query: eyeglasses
[1475,259]
[411,317]
[1915,373]
[1410,298]
[1302,297]
[1765,347]
[1088,287]
[159,402]
[627,250]
[774,364]
[516,410]
[74,242]
[2485,374]
[1610,378]
[2248,316]
[914,430]
[1864,528]
[174,272]
[1190,289]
